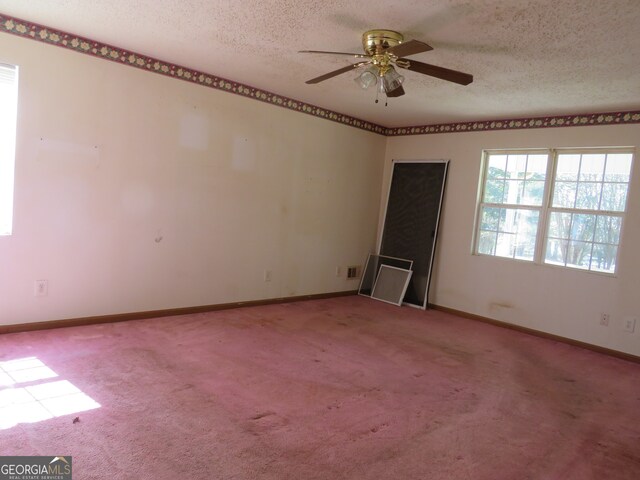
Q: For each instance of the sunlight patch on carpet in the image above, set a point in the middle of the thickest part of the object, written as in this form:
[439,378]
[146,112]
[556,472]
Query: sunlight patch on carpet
[37,401]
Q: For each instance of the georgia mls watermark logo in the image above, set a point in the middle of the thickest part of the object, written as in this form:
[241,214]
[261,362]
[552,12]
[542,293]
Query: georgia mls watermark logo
[35,468]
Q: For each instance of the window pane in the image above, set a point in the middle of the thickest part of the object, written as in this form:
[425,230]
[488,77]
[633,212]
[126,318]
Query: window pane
[517,236]
[497,166]
[533,193]
[490,218]
[608,229]
[588,195]
[494,191]
[556,251]
[537,167]
[516,232]
[509,221]
[524,179]
[579,254]
[516,166]
[519,221]
[513,191]
[564,194]
[568,166]
[618,167]
[582,227]
[614,197]
[559,224]
[604,258]
[505,247]
[487,243]
[527,222]
[526,227]
[525,247]
[581,251]
[592,167]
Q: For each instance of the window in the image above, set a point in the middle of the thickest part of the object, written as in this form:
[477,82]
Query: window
[558,207]
[8,114]
[511,204]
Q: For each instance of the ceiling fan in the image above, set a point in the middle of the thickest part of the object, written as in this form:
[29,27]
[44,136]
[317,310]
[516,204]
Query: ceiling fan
[384,50]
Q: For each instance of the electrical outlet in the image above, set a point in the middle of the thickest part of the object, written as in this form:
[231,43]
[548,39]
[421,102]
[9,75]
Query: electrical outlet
[267,275]
[629,324]
[604,319]
[41,288]
[353,271]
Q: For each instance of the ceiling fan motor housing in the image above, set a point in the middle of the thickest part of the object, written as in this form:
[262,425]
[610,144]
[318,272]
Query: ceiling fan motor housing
[375,42]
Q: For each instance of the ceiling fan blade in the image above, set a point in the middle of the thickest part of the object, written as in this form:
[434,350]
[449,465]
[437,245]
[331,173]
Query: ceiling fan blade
[335,73]
[356,55]
[435,71]
[398,92]
[409,48]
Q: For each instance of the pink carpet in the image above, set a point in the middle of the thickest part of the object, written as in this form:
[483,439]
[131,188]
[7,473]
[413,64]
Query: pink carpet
[346,388]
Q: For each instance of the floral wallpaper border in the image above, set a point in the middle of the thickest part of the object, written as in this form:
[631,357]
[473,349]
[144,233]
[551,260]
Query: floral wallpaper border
[87,46]
[23,28]
[611,118]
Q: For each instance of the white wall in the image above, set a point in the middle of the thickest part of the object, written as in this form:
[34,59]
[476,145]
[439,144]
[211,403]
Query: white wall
[551,299]
[137,192]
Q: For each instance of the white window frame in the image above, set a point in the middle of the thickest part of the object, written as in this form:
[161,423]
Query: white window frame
[547,202]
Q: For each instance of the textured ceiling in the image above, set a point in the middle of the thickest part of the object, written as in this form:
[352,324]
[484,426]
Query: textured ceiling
[528,58]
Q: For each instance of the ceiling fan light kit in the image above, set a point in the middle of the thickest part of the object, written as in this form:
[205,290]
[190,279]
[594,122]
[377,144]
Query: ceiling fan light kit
[392,80]
[367,78]
[384,51]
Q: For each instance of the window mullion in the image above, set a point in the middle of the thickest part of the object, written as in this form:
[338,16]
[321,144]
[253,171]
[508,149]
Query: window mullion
[510,205]
[586,211]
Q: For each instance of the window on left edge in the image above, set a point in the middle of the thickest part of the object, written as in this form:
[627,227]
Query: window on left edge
[8,118]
